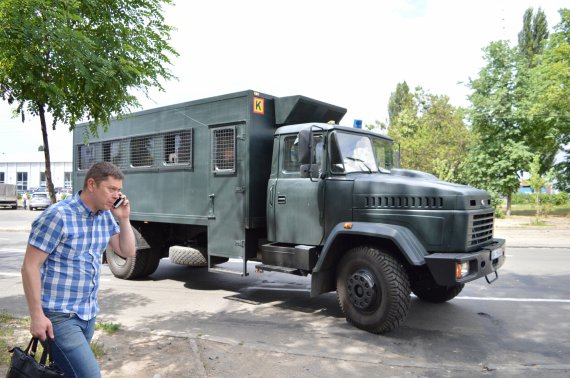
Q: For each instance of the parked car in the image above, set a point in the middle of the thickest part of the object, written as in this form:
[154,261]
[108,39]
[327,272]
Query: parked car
[39,200]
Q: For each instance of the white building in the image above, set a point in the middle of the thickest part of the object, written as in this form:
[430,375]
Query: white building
[27,171]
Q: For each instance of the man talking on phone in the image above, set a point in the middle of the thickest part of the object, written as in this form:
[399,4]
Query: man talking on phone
[62,265]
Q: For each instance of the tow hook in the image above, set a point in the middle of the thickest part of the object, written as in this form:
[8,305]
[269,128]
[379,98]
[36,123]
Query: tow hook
[494,279]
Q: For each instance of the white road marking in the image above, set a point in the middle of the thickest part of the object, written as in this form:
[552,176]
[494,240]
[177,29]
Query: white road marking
[13,250]
[516,299]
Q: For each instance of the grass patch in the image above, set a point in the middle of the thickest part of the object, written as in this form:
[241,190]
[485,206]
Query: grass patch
[98,349]
[529,210]
[110,328]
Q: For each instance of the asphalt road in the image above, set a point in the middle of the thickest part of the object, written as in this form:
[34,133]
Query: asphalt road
[519,325]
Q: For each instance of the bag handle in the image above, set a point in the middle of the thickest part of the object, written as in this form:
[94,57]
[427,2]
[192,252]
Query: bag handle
[46,354]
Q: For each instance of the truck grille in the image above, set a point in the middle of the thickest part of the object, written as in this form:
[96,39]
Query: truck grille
[481,226]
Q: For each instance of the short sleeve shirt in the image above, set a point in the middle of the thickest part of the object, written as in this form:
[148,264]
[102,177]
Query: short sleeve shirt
[74,238]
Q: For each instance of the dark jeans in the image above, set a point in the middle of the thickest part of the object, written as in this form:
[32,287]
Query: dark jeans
[71,348]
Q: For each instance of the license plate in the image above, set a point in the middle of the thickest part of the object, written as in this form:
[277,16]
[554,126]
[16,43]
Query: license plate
[496,253]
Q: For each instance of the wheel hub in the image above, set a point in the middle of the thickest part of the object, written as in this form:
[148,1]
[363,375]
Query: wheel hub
[362,289]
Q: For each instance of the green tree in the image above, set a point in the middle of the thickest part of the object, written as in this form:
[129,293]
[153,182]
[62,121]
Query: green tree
[499,154]
[432,135]
[399,100]
[532,35]
[538,181]
[547,99]
[78,60]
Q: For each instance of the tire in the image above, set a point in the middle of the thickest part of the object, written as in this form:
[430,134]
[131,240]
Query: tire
[437,294]
[187,256]
[128,268]
[142,264]
[373,290]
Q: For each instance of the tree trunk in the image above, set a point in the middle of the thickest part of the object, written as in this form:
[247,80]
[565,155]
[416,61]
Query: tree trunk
[46,154]
[508,204]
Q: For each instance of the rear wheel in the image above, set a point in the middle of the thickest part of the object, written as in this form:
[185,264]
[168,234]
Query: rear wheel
[142,264]
[373,290]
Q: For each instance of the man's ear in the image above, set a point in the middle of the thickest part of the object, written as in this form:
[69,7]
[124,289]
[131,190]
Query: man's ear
[91,184]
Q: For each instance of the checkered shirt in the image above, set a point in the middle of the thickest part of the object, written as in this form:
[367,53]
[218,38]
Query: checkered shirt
[74,238]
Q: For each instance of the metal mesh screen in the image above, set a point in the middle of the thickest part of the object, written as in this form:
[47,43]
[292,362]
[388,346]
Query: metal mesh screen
[178,148]
[223,150]
[115,151]
[168,149]
[86,156]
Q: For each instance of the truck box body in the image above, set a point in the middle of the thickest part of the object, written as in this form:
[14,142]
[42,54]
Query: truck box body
[175,171]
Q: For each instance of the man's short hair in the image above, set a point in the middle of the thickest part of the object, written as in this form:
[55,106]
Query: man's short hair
[100,171]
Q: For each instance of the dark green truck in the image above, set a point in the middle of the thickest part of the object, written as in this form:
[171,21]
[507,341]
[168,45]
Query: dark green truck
[275,180]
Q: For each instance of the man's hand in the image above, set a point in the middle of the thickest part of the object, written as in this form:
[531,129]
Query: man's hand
[41,327]
[124,209]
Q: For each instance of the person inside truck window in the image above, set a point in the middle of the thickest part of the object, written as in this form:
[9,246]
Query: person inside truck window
[225,159]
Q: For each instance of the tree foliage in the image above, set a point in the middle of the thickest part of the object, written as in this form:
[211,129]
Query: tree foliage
[532,35]
[499,155]
[431,133]
[79,59]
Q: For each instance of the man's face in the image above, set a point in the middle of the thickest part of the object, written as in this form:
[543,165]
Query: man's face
[106,193]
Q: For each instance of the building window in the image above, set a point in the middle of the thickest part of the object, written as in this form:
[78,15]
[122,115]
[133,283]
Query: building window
[142,152]
[113,152]
[1,177]
[43,181]
[224,150]
[86,156]
[178,148]
[67,180]
[22,181]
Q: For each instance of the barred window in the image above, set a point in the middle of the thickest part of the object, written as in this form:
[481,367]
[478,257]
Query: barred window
[142,149]
[114,152]
[86,155]
[224,150]
[178,148]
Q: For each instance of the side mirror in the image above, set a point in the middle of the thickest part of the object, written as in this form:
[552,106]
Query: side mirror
[305,146]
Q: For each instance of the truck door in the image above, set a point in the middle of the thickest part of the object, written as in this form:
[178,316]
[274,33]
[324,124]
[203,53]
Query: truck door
[297,201]
[226,232]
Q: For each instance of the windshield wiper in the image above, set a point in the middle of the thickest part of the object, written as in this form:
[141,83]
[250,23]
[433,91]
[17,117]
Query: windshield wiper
[360,161]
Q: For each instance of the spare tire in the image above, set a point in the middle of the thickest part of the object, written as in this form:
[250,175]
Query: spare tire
[187,256]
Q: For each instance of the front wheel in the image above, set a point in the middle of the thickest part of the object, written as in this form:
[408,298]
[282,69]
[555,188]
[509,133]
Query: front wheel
[438,294]
[373,290]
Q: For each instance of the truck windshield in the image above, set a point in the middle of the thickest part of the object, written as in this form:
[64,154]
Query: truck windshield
[360,153]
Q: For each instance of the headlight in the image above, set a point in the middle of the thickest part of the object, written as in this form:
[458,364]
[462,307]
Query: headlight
[461,270]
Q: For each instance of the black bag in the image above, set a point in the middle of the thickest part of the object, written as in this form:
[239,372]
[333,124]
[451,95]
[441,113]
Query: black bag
[24,364]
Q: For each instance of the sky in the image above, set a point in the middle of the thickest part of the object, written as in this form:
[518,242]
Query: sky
[351,54]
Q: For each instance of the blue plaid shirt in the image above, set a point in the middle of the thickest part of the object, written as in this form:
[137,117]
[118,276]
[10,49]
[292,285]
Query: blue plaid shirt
[74,239]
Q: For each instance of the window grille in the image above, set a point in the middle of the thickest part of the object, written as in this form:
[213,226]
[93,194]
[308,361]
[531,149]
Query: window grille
[142,151]
[178,148]
[224,150]
[86,155]
[115,152]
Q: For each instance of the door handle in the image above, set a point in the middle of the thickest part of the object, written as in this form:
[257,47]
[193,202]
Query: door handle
[281,200]
[271,195]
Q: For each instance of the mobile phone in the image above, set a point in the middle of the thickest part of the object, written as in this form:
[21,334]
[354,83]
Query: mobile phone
[118,202]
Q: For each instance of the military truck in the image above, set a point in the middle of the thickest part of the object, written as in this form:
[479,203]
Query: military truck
[8,196]
[276,180]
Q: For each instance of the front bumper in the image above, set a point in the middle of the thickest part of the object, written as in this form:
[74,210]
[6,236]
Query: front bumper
[482,263]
